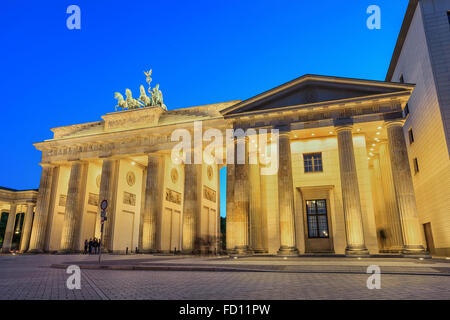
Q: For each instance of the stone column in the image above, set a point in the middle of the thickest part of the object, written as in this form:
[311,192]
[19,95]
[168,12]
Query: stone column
[153,201]
[394,232]
[230,223]
[108,190]
[192,207]
[241,202]
[74,206]
[286,197]
[37,239]
[350,193]
[255,210]
[404,190]
[9,231]
[26,231]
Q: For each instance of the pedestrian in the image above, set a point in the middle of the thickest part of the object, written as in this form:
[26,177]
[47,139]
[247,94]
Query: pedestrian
[90,245]
[86,244]
[95,245]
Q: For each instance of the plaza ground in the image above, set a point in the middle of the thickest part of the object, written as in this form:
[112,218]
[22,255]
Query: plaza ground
[158,277]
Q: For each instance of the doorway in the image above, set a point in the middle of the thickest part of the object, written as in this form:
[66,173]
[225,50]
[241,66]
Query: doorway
[317,225]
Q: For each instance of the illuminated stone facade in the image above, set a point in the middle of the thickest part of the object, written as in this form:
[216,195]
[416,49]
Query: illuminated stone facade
[334,135]
[422,57]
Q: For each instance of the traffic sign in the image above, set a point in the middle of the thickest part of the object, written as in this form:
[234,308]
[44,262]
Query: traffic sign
[104,204]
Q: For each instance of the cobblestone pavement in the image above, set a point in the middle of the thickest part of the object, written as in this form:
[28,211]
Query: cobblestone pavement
[29,277]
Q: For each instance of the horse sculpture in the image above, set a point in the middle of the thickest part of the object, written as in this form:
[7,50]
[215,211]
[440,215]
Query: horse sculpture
[121,103]
[131,102]
[144,98]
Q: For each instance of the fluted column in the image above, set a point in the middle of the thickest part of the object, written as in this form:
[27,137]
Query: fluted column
[192,207]
[404,190]
[153,201]
[241,203]
[350,193]
[74,207]
[394,231]
[9,231]
[230,229]
[108,190]
[286,197]
[255,210]
[37,240]
[26,230]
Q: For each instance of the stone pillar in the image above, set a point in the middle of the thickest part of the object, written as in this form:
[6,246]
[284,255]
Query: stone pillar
[74,207]
[230,228]
[241,202]
[108,190]
[9,231]
[153,201]
[286,197]
[26,231]
[37,240]
[142,212]
[192,207]
[394,239]
[350,193]
[404,190]
[255,209]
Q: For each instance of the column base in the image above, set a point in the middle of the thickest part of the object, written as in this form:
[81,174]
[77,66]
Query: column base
[35,251]
[287,251]
[357,252]
[242,250]
[415,252]
[259,250]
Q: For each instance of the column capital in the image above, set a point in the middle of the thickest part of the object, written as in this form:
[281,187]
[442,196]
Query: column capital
[346,127]
[48,165]
[393,123]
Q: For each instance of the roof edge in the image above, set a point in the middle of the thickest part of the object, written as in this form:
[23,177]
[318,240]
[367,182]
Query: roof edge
[401,37]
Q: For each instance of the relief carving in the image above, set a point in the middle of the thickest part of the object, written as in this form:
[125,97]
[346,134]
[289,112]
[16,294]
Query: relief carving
[173,196]
[129,198]
[209,194]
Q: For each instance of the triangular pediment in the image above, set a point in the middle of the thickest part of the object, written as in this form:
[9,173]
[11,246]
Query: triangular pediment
[310,89]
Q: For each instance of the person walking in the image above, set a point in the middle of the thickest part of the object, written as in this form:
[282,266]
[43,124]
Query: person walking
[86,244]
[90,245]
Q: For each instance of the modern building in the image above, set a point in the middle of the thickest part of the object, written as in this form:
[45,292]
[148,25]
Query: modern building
[422,57]
[16,218]
[341,150]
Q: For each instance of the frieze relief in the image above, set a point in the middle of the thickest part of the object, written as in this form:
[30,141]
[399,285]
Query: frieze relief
[129,198]
[64,152]
[62,200]
[173,196]
[93,199]
[209,194]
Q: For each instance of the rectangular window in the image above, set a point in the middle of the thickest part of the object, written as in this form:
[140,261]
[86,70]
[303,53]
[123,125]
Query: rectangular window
[312,162]
[316,214]
[416,166]
[406,111]
[411,136]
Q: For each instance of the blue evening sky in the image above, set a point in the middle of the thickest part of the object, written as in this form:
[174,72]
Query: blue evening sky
[200,51]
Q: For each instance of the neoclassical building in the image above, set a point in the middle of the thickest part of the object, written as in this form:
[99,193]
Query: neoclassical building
[343,183]
[17,209]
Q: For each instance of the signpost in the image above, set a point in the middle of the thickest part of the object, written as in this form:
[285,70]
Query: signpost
[103,218]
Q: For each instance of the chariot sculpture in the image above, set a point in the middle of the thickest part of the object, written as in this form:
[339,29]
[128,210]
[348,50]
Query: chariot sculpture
[154,99]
